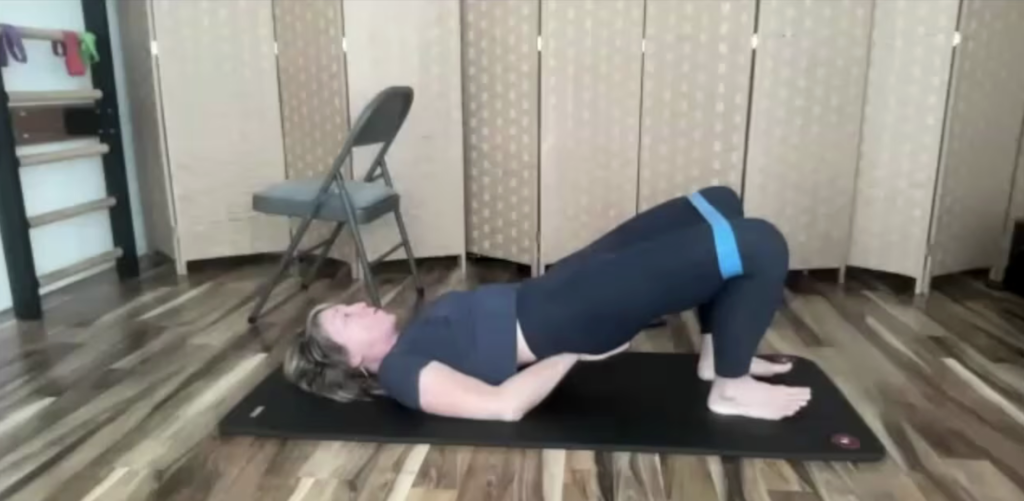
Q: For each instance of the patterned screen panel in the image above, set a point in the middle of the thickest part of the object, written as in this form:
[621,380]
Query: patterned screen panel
[805,125]
[222,117]
[908,81]
[983,137]
[414,43]
[314,100]
[500,74]
[147,125]
[696,90]
[590,114]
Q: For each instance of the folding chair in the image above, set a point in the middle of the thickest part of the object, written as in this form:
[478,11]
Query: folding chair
[351,203]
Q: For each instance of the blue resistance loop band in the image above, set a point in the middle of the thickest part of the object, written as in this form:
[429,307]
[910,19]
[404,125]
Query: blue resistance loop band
[729,262]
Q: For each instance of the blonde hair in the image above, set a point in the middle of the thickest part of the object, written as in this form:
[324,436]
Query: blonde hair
[319,365]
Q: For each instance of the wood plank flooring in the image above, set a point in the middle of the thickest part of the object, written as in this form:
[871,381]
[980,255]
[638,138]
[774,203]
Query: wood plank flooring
[117,394]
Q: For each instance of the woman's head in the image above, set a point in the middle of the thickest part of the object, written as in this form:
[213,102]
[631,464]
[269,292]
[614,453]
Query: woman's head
[340,347]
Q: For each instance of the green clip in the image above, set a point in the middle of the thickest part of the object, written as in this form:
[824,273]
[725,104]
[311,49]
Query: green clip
[88,47]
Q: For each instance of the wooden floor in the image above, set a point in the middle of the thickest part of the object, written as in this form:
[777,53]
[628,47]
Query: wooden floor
[117,395]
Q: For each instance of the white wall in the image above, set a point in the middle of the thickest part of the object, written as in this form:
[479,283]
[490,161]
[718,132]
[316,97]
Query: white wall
[52,186]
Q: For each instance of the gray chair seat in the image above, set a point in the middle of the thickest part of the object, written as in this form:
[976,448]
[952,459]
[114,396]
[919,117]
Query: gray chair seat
[296,198]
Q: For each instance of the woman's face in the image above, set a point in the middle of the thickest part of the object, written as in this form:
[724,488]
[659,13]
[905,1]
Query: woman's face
[365,331]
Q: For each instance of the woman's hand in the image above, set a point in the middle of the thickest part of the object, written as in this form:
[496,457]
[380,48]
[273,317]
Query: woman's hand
[601,356]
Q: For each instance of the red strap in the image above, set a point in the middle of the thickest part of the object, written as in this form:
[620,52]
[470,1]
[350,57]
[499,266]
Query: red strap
[73,54]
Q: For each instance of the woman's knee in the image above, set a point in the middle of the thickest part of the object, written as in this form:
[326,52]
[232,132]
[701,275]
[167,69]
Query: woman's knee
[725,200]
[762,246]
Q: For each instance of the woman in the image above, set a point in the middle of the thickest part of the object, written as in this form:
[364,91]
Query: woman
[495,352]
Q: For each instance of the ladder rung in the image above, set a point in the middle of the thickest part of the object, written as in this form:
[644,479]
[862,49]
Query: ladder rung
[22,99]
[71,212]
[29,33]
[84,265]
[87,150]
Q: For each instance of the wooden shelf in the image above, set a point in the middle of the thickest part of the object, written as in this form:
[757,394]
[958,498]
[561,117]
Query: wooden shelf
[25,99]
[82,151]
[84,265]
[71,212]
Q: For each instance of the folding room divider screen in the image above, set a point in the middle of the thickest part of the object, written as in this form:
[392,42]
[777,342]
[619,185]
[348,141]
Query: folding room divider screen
[808,94]
[984,128]
[203,94]
[907,88]
[876,134]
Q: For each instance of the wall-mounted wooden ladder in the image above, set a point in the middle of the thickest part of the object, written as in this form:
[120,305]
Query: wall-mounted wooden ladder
[15,224]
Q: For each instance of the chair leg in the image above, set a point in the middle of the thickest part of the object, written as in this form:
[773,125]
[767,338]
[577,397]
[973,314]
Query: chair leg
[408,253]
[267,287]
[364,263]
[321,256]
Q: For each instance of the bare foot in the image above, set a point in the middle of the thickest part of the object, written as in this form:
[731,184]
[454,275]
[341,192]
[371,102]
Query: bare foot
[751,398]
[759,367]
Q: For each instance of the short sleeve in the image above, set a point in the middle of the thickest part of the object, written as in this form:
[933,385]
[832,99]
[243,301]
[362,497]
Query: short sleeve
[399,376]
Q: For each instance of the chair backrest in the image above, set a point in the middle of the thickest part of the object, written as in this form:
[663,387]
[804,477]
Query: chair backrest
[378,123]
[382,118]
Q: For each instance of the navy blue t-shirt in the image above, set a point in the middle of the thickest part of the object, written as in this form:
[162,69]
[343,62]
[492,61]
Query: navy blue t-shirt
[473,332]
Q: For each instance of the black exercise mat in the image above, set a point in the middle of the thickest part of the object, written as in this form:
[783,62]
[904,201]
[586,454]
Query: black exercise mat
[641,402]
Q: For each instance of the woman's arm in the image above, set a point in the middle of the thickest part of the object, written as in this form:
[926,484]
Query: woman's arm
[447,392]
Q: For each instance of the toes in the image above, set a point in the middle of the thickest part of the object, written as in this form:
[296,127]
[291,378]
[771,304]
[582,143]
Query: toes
[793,409]
[761,400]
[798,393]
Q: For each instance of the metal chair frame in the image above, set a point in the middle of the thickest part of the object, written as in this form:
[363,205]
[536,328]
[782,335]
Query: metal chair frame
[370,128]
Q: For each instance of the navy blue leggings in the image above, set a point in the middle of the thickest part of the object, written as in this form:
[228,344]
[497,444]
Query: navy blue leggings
[662,261]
